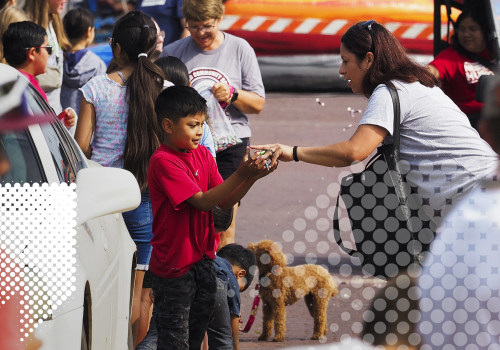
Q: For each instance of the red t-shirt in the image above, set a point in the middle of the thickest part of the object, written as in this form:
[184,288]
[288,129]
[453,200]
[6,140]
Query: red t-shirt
[35,83]
[182,234]
[459,76]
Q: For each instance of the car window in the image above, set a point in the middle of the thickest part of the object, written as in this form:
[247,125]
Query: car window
[62,161]
[19,161]
[67,160]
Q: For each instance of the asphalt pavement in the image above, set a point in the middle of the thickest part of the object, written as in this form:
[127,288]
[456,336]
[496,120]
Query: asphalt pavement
[293,206]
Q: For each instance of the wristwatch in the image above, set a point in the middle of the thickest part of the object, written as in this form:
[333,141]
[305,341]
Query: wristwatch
[235,95]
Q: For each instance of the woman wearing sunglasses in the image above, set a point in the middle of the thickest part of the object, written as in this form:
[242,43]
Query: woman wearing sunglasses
[441,155]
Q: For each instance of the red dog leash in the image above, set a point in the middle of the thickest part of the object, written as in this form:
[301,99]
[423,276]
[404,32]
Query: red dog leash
[253,312]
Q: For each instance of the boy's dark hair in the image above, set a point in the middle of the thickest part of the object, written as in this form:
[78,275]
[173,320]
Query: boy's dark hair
[175,70]
[241,257]
[19,37]
[76,24]
[178,102]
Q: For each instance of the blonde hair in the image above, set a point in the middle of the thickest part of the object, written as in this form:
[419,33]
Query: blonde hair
[39,12]
[8,15]
[201,10]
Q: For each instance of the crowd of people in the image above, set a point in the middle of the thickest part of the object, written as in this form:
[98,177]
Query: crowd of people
[172,108]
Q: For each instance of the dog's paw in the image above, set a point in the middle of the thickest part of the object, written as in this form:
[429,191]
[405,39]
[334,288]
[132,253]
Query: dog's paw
[318,336]
[279,338]
[263,337]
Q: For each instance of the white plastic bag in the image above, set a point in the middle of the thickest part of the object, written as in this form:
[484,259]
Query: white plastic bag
[220,123]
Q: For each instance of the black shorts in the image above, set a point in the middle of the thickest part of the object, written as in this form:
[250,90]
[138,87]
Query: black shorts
[147,282]
[229,159]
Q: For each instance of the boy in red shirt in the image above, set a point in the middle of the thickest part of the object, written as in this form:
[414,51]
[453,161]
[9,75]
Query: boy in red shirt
[26,48]
[185,185]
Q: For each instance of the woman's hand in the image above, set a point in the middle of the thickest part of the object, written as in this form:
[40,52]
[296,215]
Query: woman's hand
[222,92]
[276,152]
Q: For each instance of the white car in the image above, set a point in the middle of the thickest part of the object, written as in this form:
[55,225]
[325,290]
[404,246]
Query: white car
[95,314]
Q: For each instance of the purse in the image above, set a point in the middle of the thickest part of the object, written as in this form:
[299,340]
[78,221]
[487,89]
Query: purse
[389,231]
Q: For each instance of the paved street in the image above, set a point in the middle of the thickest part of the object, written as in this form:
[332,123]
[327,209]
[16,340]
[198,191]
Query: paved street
[293,207]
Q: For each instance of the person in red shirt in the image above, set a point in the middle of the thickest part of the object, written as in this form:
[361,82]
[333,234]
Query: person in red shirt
[459,66]
[185,186]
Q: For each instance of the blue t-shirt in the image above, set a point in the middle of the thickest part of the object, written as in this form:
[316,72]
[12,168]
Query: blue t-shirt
[224,271]
[168,14]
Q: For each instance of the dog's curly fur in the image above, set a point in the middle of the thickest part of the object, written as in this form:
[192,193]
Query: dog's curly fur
[281,286]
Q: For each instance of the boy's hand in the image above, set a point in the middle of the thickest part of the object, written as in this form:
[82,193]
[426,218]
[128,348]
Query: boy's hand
[256,166]
[68,117]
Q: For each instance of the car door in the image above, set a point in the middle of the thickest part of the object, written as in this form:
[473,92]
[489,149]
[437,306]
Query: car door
[98,240]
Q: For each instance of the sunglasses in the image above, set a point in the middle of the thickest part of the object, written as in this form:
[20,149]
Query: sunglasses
[368,25]
[48,48]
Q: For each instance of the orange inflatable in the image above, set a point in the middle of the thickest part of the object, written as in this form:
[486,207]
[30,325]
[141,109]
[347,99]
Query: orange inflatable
[287,27]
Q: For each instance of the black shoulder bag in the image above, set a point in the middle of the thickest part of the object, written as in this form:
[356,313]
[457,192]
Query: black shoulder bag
[385,229]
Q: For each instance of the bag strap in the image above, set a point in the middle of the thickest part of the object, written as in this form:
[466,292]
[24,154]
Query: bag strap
[397,116]
[336,230]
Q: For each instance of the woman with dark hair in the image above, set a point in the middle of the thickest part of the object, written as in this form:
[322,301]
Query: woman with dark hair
[117,127]
[470,56]
[442,156]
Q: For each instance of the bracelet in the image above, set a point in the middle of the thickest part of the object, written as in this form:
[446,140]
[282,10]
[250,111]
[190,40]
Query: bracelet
[231,93]
[295,158]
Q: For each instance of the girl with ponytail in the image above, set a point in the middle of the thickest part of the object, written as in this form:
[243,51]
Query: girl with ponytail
[117,127]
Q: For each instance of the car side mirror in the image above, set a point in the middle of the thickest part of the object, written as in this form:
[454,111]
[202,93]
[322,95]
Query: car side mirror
[103,191]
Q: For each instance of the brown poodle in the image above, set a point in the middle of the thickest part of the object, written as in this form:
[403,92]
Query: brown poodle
[281,286]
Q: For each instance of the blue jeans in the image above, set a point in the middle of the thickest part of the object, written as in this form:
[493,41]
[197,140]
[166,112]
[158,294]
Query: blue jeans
[150,341]
[140,226]
[220,335]
[183,306]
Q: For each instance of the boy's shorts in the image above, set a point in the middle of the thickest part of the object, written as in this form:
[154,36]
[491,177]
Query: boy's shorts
[147,282]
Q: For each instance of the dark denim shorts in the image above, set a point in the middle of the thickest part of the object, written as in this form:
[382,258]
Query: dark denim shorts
[140,226]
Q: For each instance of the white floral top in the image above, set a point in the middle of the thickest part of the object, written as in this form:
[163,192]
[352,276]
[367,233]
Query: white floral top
[110,102]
